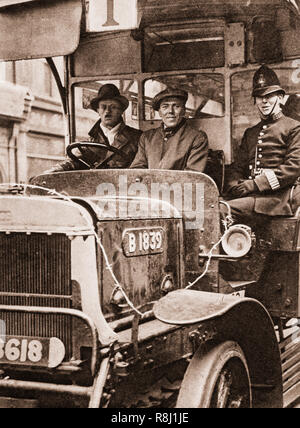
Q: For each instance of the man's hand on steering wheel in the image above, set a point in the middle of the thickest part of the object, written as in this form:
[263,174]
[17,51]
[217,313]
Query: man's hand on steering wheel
[87,144]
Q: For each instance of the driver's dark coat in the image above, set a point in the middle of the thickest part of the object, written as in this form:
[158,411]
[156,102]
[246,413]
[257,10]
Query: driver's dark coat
[126,139]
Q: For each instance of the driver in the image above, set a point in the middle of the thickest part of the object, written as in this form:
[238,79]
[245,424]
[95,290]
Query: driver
[109,130]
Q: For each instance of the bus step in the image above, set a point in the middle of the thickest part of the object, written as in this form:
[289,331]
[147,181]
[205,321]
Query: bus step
[17,403]
[290,359]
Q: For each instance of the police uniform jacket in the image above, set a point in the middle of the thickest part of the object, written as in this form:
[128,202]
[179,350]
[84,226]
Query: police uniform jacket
[270,155]
[186,149]
[126,139]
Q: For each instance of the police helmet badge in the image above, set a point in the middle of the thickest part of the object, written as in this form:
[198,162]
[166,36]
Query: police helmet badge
[266,82]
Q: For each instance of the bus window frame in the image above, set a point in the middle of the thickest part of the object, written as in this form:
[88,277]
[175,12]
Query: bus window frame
[141,78]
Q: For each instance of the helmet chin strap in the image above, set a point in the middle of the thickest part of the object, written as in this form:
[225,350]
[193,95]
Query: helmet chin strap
[263,116]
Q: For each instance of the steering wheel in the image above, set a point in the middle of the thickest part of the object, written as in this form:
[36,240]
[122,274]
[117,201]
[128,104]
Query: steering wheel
[87,144]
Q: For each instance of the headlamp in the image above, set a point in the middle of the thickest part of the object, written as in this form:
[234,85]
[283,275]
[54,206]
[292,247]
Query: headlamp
[237,241]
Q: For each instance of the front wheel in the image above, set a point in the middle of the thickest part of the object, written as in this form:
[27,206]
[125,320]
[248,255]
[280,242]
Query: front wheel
[218,378]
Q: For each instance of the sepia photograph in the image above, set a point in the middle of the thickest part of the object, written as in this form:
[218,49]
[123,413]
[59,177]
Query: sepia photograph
[150,207]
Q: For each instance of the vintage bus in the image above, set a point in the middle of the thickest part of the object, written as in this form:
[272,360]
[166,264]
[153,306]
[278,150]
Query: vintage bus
[128,306]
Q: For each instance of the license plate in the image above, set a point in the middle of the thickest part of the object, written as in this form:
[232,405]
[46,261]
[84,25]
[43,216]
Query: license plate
[143,241]
[31,351]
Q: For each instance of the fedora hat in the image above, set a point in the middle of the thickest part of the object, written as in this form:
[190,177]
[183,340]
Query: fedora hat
[168,93]
[266,82]
[109,92]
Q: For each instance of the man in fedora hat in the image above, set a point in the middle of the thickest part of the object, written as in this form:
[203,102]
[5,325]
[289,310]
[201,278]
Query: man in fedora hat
[110,130]
[174,145]
[267,165]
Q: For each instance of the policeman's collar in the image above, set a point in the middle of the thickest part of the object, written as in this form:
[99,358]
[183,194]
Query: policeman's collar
[273,117]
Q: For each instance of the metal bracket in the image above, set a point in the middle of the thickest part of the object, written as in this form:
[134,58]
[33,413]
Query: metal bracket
[135,333]
[61,88]
[219,257]
[203,334]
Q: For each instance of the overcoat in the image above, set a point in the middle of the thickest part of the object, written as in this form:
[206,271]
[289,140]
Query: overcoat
[187,149]
[270,155]
[126,139]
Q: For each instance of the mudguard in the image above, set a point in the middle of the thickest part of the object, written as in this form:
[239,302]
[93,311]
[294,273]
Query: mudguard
[243,320]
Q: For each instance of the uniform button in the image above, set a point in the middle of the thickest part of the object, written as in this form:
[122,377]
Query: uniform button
[250,178]
[258,163]
[259,141]
[260,156]
[260,149]
[265,127]
[250,167]
[262,134]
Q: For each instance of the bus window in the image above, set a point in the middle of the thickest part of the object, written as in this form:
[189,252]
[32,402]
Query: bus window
[244,112]
[206,94]
[85,117]
[184,46]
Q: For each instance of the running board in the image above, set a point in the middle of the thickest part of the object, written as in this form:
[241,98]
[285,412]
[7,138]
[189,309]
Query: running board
[290,359]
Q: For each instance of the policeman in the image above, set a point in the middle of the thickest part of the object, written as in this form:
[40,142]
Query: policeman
[262,182]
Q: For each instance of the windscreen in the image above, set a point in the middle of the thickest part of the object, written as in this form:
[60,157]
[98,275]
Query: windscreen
[204,107]
[205,100]
[205,94]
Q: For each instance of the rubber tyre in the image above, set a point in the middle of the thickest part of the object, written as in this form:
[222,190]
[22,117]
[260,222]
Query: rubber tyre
[218,378]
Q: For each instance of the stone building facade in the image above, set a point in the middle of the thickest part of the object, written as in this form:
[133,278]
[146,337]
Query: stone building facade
[32,124]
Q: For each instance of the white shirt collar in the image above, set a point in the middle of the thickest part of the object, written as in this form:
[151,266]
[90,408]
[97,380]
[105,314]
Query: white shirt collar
[110,133]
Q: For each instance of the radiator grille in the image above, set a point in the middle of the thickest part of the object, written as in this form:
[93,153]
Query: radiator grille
[35,270]
[48,301]
[35,264]
[39,325]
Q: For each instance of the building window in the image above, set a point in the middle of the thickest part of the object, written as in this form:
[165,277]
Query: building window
[41,78]
[35,74]
[10,72]
[47,80]
[2,71]
[205,94]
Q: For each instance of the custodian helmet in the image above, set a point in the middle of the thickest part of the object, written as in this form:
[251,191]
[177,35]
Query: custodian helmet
[266,82]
